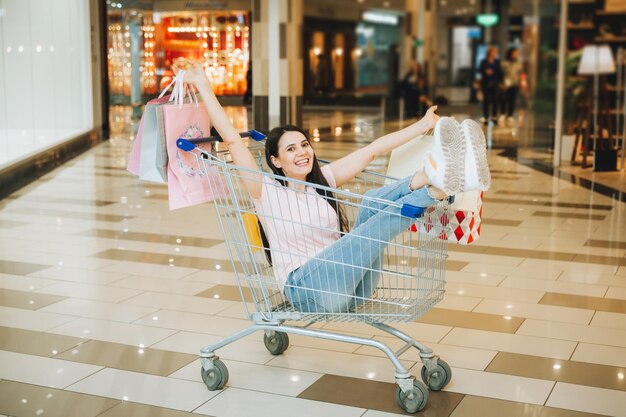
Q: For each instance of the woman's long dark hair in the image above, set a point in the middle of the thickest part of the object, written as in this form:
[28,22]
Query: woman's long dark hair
[315,177]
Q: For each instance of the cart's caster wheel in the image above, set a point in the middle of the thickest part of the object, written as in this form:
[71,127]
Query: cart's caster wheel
[216,377]
[414,400]
[276,344]
[438,378]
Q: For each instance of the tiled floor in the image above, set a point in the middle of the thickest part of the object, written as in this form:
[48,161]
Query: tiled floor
[106,298]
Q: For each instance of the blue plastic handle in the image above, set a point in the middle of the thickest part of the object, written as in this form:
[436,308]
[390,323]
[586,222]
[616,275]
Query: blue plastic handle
[185,145]
[412,211]
[256,135]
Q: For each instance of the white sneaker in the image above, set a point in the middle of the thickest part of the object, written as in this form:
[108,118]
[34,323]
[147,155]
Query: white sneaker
[445,164]
[477,175]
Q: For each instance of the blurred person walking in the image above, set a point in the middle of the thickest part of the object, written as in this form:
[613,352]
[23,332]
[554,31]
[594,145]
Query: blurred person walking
[511,76]
[412,90]
[491,78]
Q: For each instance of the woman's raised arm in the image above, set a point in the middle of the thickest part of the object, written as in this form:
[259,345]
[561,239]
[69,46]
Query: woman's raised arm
[348,167]
[238,150]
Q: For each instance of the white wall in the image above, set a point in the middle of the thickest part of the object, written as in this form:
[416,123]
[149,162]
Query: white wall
[3,112]
[45,75]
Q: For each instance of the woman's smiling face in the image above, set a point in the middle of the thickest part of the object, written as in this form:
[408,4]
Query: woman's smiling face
[295,155]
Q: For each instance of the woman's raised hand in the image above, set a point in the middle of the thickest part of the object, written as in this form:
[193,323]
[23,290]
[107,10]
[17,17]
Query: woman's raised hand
[193,72]
[430,118]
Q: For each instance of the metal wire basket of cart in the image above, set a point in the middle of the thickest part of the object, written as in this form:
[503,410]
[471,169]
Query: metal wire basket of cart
[406,280]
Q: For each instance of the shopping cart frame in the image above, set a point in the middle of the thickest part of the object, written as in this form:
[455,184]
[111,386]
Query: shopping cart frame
[412,395]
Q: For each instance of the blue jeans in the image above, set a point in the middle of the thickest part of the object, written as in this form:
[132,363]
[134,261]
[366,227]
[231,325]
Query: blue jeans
[340,276]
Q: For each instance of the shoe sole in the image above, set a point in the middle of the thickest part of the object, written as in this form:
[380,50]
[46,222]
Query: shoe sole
[476,138]
[448,132]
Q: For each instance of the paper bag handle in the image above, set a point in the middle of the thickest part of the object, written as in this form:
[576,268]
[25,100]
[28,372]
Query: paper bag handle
[180,90]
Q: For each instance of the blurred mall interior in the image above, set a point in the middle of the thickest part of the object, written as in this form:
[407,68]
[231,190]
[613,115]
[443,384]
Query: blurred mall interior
[106,296]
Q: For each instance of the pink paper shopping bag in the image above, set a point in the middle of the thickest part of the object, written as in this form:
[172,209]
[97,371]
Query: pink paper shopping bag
[187,183]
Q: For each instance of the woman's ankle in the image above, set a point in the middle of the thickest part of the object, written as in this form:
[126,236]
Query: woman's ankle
[435,193]
[419,180]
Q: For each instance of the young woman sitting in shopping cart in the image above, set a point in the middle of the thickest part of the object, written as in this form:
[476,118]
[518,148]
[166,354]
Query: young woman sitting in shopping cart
[330,271]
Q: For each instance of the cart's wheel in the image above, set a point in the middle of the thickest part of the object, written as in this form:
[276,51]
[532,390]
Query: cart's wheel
[414,400]
[216,377]
[276,344]
[438,378]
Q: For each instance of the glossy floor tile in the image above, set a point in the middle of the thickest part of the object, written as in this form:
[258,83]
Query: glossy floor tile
[126,357]
[514,343]
[146,389]
[27,300]
[235,402]
[127,408]
[37,370]
[35,343]
[488,407]
[83,275]
[373,395]
[472,320]
[338,363]
[19,268]
[588,399]
[270,379]
[19,399]
[455,356]
[89,291]
[574,332]
[24,283]
[185,303]
[99,310]
[591,303]
[535,311]
[249,349]
[162,285]
[601,354]
[574,372]
[193,322]
[505,387]
[115,332]
[31,320]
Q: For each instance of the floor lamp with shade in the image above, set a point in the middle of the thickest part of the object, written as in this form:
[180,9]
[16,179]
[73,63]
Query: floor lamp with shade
[598,60]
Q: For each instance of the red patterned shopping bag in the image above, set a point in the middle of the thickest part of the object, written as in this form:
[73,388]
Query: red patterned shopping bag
[463,225]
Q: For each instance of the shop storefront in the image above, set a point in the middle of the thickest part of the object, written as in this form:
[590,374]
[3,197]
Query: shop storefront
[145,41]
[330,57]
[348,50]
[376,37]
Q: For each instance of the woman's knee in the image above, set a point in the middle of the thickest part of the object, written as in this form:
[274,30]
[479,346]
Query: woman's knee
[366,208]
[373,193]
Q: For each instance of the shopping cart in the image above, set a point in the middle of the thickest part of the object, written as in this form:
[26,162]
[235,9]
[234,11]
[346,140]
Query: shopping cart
[411,272]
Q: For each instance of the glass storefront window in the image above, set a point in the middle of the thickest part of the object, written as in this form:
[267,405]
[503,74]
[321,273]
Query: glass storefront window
[218,40]
[373,42]
[45,75]
[539,52]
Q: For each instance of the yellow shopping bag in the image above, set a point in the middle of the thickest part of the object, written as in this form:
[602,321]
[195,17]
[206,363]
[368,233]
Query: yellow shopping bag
[250,223]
